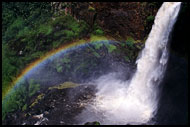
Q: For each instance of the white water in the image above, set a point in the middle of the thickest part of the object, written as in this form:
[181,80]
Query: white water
[135,101]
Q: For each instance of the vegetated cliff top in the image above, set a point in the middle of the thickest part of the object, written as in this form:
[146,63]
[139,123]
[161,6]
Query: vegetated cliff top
[119,19]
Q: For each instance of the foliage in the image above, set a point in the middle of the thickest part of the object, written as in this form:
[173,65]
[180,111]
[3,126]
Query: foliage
[130,42]
[110,47]
[91,9]
[59,68]
[97,30]
[16,100]
[150,18]
[30,12]
[45,29]
[12,30]
[98,45]
[28,27]
[33,87]
[66,60]
[24,107]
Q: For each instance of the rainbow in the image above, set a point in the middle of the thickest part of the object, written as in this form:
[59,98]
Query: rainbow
[64,47]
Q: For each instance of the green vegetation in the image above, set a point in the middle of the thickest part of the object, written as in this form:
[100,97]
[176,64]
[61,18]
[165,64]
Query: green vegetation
[97,30]
[130,42]
[24,107]
[59,69]
[96,54]
[98,46]
[110,47]
[150,18]
[17,99]
[91,9]
[39,97]
[33,87]
[29,32]
[126,58]
[64,85]
[66,60]
[92,123]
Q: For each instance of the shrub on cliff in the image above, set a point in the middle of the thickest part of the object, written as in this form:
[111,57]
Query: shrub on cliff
[150,18]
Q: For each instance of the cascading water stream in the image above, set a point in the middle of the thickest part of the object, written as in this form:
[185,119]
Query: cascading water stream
[135,101]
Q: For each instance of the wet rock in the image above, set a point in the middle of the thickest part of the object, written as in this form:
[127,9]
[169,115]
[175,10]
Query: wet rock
[38,116]
[41,121]
[46,112]
[61,122]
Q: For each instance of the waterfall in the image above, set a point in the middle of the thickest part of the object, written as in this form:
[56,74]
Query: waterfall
[135,101]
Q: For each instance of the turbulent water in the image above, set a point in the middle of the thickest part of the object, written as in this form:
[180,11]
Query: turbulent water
[135,101]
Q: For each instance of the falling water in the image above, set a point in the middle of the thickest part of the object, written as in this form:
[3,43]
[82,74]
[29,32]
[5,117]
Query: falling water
[135,101]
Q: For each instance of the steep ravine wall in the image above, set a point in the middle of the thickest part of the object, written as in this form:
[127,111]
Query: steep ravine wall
[119,20]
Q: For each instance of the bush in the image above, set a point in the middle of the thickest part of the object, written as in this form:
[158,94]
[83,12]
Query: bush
[28,27]
[15,100]
[150,18]
[130,42]
[14,28]
[45,29]
[33,87]
[99,32]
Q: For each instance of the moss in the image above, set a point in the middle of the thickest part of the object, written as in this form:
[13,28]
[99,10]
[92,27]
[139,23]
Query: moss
[64,85]
[39,97]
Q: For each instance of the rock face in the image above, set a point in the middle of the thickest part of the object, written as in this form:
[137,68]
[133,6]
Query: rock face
[180,33]
[119,19]
[125,18]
